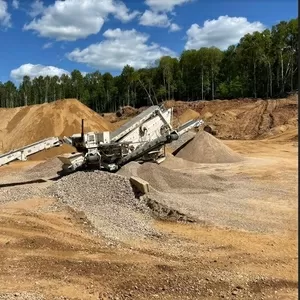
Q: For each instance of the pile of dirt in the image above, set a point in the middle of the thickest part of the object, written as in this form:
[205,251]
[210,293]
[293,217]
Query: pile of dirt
[189,114]
[289,135]
[242,118]
[26,125]
[205,148]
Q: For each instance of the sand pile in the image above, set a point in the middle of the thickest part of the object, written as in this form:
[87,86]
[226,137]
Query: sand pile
[205,148]
[23,126]
[288,135]
[242,118]
[189,114]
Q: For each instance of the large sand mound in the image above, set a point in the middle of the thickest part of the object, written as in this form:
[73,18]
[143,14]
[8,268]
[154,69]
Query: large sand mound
[25,125]
[242,118]
[205,148]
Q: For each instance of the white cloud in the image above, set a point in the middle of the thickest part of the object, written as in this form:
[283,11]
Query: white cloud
[221,33]
[119,49]
[150,18]
[158,14]
[174,27]
[4,15]
[47,45]
[35,71]
[36,8]
[165,5]
[70,20]
[122,13]
[15,4]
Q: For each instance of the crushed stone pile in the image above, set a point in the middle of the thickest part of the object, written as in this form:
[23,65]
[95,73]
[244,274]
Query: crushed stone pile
[25,125]
[172,162]
[48,168]
[166,180]
[108,202]
[205,148]
[181,142]
[129,169]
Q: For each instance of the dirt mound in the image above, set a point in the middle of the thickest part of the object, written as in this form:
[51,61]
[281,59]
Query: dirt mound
[23,126]
[189,114]
[242,118]
[289,135]
[205,148]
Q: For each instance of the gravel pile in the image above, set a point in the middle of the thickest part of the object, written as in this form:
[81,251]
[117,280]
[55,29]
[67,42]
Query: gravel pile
[182,141]
[108,201]
[170,181]
[129,169]
[49,168]
[22,192]
[205,148]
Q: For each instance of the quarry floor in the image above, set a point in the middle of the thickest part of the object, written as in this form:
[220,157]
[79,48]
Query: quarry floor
[53,256]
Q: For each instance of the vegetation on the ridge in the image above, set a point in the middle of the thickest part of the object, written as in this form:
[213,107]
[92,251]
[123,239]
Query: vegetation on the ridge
[262,65]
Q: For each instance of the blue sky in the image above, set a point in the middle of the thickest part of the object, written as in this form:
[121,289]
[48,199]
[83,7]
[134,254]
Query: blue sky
[54,37]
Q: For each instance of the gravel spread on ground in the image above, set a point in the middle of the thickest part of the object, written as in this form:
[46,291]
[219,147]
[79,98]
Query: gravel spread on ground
[226,200]
[21,296]
[48,168]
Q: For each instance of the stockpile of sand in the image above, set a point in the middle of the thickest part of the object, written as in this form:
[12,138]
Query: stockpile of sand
[242,118]
[60,118]
[189,114]
[205,148]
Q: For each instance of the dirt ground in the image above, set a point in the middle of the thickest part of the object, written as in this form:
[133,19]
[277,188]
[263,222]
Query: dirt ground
[55,256]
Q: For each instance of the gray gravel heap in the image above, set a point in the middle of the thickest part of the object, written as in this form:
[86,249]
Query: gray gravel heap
[46,169]
[108,201]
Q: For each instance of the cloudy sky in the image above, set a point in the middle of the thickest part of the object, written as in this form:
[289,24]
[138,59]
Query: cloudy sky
[55,36]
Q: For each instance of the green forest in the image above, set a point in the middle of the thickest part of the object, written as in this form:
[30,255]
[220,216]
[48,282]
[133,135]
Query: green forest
[262,65]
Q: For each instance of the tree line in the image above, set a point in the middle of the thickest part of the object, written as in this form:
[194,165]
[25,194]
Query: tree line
[262,65]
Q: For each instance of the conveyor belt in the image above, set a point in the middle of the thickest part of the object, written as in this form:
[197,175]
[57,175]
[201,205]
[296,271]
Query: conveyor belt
[22,153]
[132,124]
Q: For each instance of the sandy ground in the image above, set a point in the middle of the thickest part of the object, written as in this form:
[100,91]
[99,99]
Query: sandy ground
[55,255]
